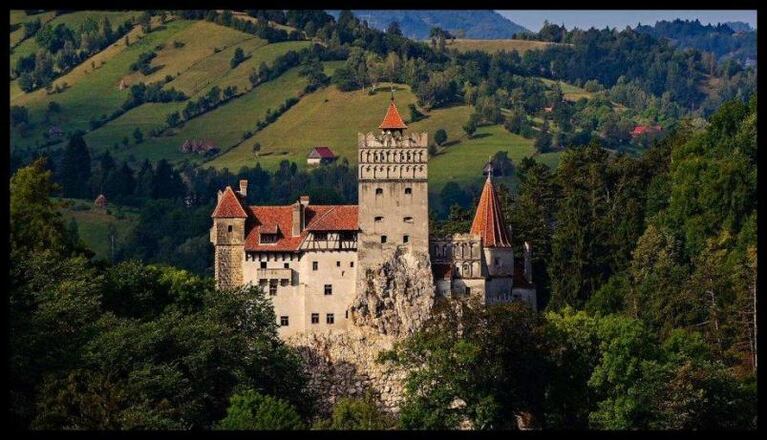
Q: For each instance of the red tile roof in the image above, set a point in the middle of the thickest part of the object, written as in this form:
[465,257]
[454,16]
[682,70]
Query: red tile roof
[488,221]
[229,206]
[322,153]
[266,219]
[392,120]
[641,129]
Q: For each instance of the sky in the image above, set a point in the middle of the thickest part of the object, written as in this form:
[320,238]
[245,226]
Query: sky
[585,19]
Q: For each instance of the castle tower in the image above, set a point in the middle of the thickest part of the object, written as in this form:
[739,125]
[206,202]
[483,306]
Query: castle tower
[228,237]
[490,226]
[393,191]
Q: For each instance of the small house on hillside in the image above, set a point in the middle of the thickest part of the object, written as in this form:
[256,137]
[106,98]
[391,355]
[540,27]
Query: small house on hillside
[101,201]
[321,155]
[645,129]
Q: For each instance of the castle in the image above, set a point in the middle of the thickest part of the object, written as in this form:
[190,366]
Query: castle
[313,259]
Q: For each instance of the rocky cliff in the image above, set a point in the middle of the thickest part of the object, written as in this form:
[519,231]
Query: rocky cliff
[393,301]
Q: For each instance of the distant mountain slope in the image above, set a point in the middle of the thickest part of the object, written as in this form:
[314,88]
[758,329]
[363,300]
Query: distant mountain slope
[723,40]
[739,26]
[416,24]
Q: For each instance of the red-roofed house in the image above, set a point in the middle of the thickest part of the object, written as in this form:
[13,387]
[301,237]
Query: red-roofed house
[320,155]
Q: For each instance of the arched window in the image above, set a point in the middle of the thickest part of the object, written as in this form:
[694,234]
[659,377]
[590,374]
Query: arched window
[408,191]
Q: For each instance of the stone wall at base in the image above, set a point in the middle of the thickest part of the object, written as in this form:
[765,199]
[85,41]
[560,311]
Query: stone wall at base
[344,365]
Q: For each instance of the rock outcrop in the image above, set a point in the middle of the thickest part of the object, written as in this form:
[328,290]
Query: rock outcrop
[397,298]
[392,303]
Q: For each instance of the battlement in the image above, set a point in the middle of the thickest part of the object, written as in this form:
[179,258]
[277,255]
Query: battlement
[392,140]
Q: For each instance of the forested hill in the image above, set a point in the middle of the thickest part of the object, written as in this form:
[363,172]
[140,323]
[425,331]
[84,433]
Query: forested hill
[465,24]
[725,40]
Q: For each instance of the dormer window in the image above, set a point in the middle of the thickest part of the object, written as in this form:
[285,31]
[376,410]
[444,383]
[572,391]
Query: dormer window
[269,238]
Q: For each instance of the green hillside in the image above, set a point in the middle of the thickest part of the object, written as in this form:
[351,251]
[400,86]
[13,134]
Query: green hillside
[196,55]
[93,223]
[72,20]
[333,118]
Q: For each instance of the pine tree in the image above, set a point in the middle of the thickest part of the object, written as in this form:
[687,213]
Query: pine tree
[76,168]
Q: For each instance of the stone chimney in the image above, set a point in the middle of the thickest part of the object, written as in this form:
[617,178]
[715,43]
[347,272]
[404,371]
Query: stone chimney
[299,215]
[528,263]
[244,187]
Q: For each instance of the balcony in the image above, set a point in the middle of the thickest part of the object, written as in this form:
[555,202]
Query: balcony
[279,274]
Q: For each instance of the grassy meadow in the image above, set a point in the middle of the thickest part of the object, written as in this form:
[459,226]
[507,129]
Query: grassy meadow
[93,223]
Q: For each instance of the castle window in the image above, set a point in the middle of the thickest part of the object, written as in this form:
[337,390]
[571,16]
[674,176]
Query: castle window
[314,265]
[408,219]
[284,282]
[383,239]
[408,191]
[351,264]
[346,314]
[329,318]
[229,228]
[328,289]
[286,265]
[273,286]
[405,238]
[263,282]
[378,219]
[468,290]
[496,262]
[379,191]
[338,264]
[263,265]
[315,318]
[284,321]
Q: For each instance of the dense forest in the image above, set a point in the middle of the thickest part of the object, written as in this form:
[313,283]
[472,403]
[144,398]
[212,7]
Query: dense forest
[723,40]
[644,257]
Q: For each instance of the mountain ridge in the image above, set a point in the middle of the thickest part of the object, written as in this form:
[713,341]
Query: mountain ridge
[416,24]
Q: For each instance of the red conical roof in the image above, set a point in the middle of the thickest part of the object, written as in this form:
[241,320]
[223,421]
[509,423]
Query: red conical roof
[392,120]
[229,206]
[488,221]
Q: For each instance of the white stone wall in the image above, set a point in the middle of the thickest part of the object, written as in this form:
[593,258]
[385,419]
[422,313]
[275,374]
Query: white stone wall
[305,293]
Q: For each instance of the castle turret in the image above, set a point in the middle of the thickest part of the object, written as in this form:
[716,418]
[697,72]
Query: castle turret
[228,238]
[490,226]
